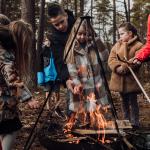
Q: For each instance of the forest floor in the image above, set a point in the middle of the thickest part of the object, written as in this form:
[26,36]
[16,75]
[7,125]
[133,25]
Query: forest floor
[29,116]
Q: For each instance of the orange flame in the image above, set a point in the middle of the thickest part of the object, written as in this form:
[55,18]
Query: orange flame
[71,122]
[91,114]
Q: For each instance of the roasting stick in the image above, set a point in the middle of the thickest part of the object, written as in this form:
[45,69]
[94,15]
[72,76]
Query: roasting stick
[135,77]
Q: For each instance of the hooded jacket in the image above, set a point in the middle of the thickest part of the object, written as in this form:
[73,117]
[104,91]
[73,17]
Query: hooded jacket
[58,41]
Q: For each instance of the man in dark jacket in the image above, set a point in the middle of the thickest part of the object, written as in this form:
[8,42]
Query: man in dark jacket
[61,22]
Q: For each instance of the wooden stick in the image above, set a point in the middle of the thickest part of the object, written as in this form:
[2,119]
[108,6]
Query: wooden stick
[122,124]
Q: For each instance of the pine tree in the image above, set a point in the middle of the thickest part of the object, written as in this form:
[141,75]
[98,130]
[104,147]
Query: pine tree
[103,19]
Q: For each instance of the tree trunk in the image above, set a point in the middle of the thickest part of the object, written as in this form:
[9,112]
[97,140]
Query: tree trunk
[76,7]
[28,14]
[41,26]
[126,11]
[81,7]
[2,6]
[114,21]
[129,10]
[92,11]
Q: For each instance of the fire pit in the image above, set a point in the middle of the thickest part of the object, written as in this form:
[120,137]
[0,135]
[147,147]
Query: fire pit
[90,130]
[52,136]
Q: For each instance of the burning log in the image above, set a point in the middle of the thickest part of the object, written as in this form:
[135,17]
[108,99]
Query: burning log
[90,132]
[122,124]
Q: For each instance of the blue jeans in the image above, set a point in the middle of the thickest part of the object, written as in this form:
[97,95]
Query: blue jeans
[130,107]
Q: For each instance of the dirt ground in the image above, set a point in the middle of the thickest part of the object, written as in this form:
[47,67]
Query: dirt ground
[29,116]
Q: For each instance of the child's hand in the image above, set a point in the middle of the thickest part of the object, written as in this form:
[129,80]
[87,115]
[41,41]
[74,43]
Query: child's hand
[33,104]
[120,70]
[78,89]
[134,61]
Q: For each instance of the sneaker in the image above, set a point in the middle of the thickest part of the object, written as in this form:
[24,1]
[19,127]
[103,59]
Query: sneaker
[60,113]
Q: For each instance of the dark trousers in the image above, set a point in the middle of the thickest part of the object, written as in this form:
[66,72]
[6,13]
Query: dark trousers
[130,108]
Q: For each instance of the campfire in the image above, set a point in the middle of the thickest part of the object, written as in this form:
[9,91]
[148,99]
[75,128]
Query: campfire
[91,127]
[55,135]
[89,119]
